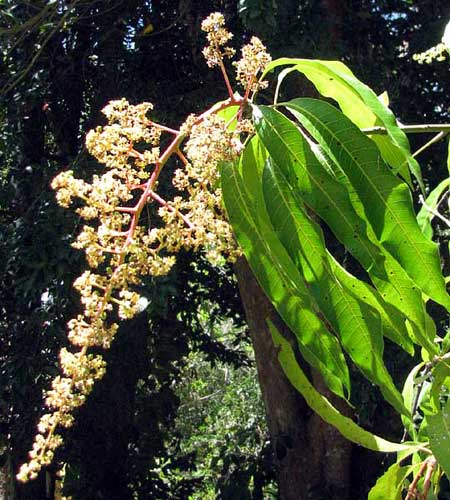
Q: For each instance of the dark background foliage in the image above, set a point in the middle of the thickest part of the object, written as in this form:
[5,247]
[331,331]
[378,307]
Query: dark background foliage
[62,61]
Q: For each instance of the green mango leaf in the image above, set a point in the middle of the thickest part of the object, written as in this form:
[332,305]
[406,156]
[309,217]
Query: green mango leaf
[322,406]
[283,74]
[275,271]
[425,216]
[445,346]
[393,324]
[330,200]
[384,98]
[390,485]
[427,407]
[385,199]
[362,106]
[439,435]
[357,323]
[227,114]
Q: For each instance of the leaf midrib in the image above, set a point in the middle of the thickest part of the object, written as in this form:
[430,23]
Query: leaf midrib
[377,192]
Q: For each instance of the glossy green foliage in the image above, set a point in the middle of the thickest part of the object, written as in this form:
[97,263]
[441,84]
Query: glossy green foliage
[377,194]
[390,484]
[277,274]
[324,408]
[323,193]
[351,318]
[311,177]
[359,103]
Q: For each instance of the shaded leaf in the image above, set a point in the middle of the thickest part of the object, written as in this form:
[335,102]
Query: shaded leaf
[275,271]
[357,323]
[322,406]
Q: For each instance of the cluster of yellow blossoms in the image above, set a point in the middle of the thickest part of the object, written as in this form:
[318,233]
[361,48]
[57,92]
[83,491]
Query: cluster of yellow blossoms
[210,142]
[254,59]
[436,53]
[218,36]
[120,250]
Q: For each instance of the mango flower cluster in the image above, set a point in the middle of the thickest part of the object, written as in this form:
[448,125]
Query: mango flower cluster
[120,248]
[254,59]
[437,53]
[210,143]
[218,36]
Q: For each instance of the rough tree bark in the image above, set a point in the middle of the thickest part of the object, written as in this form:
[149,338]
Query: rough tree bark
[311,457]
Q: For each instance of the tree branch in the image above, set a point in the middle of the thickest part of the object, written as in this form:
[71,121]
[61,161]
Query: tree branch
[427,128]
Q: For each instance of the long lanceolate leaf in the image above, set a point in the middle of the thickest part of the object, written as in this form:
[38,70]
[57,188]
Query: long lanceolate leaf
[329,199]
[322,406]
[358,323]
[276,273]
[357,101]
[385,199]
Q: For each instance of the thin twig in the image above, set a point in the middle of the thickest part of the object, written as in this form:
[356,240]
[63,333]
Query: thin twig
[225,76]
[128,210]
[164,128]
[169,207]
[435,139]
[25,28]
[415,403]
[426,128]
[182,157]
[431,466]
[433,211]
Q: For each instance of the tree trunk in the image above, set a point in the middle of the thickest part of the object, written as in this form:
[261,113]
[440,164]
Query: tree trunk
[311,457]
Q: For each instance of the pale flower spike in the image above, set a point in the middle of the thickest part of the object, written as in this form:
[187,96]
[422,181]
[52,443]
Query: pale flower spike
[438,52]
[120,249]
[218,36]
[254,59]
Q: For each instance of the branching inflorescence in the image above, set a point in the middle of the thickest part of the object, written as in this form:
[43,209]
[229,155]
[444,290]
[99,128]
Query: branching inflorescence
[120,250]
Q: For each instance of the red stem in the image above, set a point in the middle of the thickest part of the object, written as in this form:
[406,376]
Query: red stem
[431,466]
[224,74]
[427,466]
[182,157]
[164,203]
[163,127]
